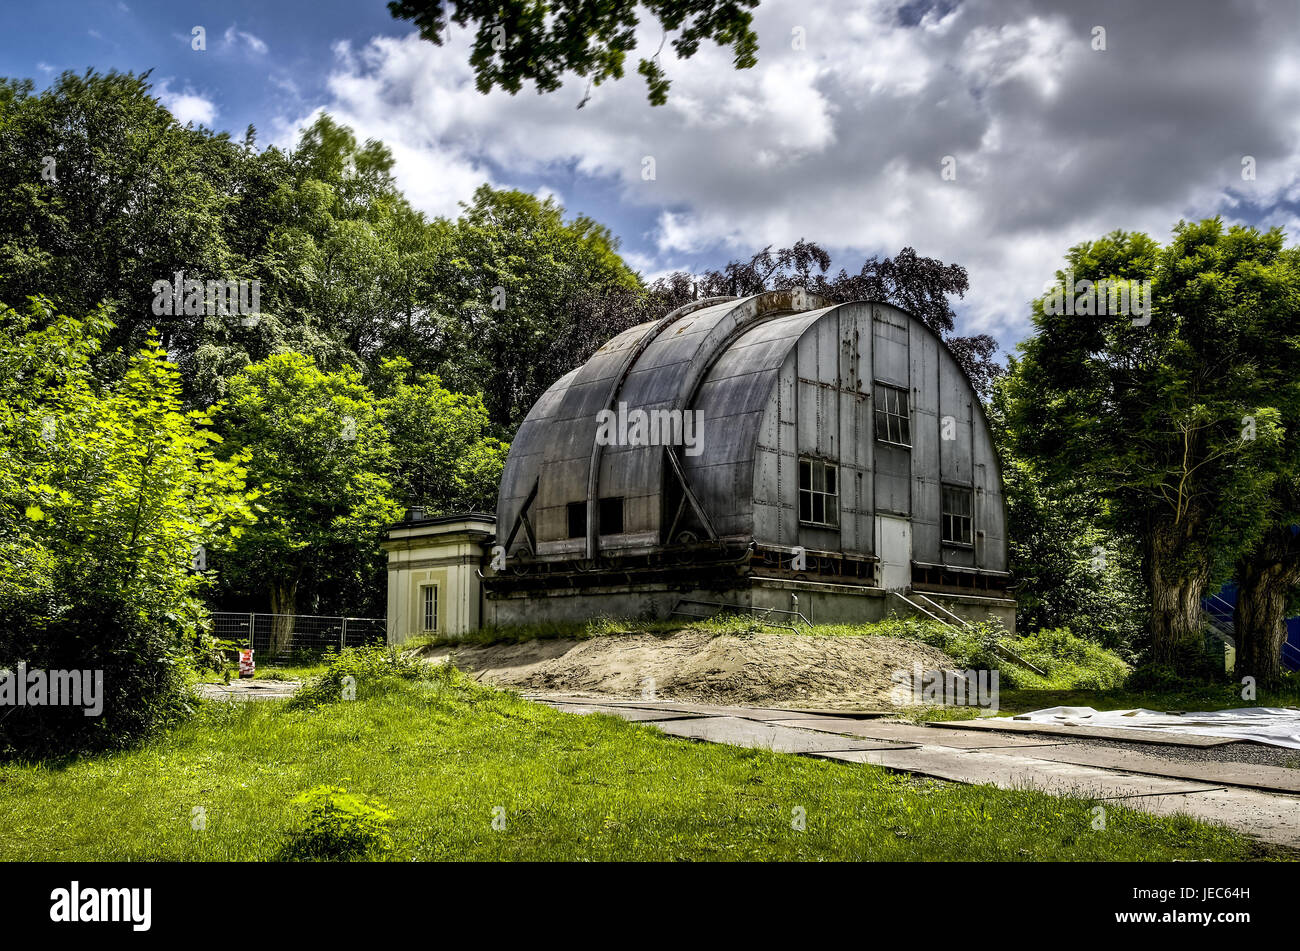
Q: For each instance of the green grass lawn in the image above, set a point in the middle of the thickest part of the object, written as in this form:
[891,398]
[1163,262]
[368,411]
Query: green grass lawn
[442,754]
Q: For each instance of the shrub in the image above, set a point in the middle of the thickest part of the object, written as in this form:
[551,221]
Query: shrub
[1190,667]
[143,657]
[972,647]
[370,670]
[1069,661]
[339,825]
[105,489]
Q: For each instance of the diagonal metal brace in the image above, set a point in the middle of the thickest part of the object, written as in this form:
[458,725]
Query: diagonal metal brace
[676,465]
[522,520]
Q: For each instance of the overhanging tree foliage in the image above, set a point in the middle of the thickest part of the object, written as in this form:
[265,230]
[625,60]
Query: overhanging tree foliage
[539,41]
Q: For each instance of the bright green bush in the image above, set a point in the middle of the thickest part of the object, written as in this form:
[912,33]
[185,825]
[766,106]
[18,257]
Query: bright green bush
[105,490]
[360,672]
[1068,660]
[339,825]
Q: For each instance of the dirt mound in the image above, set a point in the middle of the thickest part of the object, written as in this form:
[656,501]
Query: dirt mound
[761,669]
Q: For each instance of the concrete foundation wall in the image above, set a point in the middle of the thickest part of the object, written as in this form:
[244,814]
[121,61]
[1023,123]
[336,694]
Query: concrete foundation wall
[818,603]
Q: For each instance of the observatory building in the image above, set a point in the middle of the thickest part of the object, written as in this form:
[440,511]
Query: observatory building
[778,454]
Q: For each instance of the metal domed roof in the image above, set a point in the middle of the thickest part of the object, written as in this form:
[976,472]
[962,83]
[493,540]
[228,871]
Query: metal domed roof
[709,355]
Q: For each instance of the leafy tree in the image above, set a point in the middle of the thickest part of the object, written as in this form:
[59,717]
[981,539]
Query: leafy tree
[1070,571]
[318,452]
[104,493]
[133,198]
[1147,416]
[443,460]
[539,41]
[508,293]
[102,193]
[1268,575]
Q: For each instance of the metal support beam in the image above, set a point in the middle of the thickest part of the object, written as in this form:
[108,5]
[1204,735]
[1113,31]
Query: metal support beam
[676,465]
[522,519]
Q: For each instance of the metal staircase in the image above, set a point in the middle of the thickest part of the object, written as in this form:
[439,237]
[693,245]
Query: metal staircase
[1220,630]
[925,605]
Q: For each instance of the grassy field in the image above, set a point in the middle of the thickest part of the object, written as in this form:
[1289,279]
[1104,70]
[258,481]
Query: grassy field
[441,754]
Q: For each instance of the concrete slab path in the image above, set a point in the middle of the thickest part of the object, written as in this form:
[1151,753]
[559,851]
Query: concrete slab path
[1259,801]
[1007,725]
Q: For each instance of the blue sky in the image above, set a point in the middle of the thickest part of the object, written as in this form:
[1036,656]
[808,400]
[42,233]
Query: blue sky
[43,39]
[838,135]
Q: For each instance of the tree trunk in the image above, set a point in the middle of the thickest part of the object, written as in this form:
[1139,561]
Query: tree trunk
[284,599]
[1265,579]
[1177,582]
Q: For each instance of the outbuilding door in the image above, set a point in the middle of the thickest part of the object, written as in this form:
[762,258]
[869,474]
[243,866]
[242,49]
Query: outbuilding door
[894,548]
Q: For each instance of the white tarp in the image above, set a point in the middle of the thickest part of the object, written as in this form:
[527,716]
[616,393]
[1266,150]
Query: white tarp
[1277,726]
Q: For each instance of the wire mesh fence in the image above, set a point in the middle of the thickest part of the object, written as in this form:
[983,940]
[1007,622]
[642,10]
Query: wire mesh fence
[287,637]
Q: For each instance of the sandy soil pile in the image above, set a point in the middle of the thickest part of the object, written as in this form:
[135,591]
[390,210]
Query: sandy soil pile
[762,669]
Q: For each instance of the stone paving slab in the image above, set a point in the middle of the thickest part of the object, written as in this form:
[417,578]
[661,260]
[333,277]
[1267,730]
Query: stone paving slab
[1269,817]
[766,736]
[1005,724]
[1266,816]
[672,706]
[635,714]
[1020,772]
[1272,778]
[910,733]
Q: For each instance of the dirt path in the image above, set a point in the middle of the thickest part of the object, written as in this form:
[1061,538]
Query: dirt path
[759,669]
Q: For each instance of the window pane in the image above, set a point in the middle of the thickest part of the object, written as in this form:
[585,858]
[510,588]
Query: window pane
[611,516]
[805,474]
[805,506]
[957,522]
[818,508]
[830,480]
[818,477]
[430,608]
[577,519]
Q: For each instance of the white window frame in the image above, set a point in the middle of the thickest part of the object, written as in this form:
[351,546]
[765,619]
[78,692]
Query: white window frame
[894,408]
